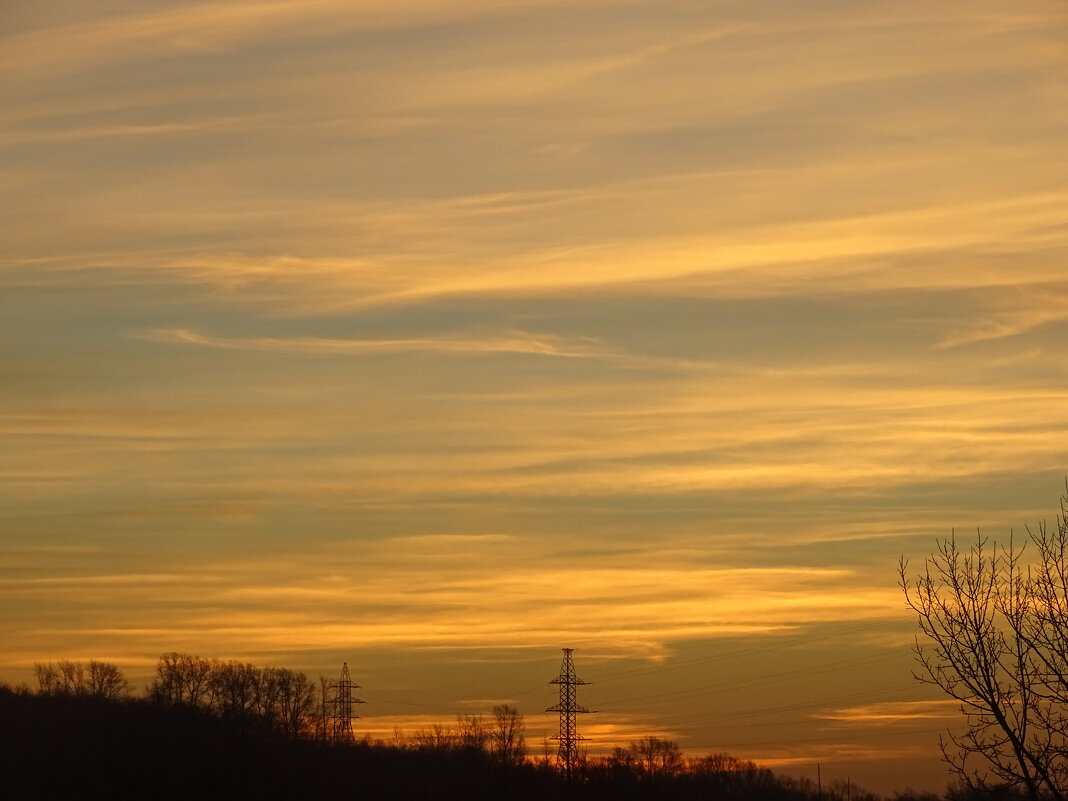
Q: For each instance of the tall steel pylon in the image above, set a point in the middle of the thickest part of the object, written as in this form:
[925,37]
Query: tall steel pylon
[341,720]
[568,709]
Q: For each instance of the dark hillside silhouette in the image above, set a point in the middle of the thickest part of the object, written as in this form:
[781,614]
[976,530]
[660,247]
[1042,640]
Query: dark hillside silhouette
[68,746]
[74,747]
[226,730]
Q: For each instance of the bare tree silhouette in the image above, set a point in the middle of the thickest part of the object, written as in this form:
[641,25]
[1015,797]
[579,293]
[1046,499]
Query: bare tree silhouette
[508,737]
[994,636]
[93,679]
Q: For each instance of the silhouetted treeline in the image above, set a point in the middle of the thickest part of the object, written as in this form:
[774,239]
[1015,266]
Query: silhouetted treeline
[215,730]
[285,701]
[67,746]
[96,679]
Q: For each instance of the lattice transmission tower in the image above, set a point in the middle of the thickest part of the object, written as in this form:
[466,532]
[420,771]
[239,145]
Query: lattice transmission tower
[341,719]
[568,709]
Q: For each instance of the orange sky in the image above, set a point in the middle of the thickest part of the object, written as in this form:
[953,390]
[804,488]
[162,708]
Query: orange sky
[435,337]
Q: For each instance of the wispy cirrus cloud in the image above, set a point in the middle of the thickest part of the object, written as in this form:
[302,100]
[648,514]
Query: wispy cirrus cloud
[197,26]
[879,252]
[889,712]
[1010,314]
[493,342]
[626,609]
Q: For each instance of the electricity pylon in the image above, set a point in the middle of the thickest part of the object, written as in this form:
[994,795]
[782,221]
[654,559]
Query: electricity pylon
[341,720]
[568,709]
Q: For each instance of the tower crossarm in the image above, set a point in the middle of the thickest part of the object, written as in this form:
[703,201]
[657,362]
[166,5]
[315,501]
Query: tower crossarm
[577,708]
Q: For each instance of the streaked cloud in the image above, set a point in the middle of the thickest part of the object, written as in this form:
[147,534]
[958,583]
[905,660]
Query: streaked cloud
[197,26]
[506,342]
[896,711]
[471,604]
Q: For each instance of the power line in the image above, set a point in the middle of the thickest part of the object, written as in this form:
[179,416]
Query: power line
[778,710]
[759,680]
[806,740]
[724,655]
[431,707]
[444,707]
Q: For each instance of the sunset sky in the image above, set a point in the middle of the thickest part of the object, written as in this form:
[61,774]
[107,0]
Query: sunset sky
[436,335]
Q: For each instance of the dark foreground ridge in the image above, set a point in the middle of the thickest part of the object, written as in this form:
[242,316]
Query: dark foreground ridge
[68,747]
